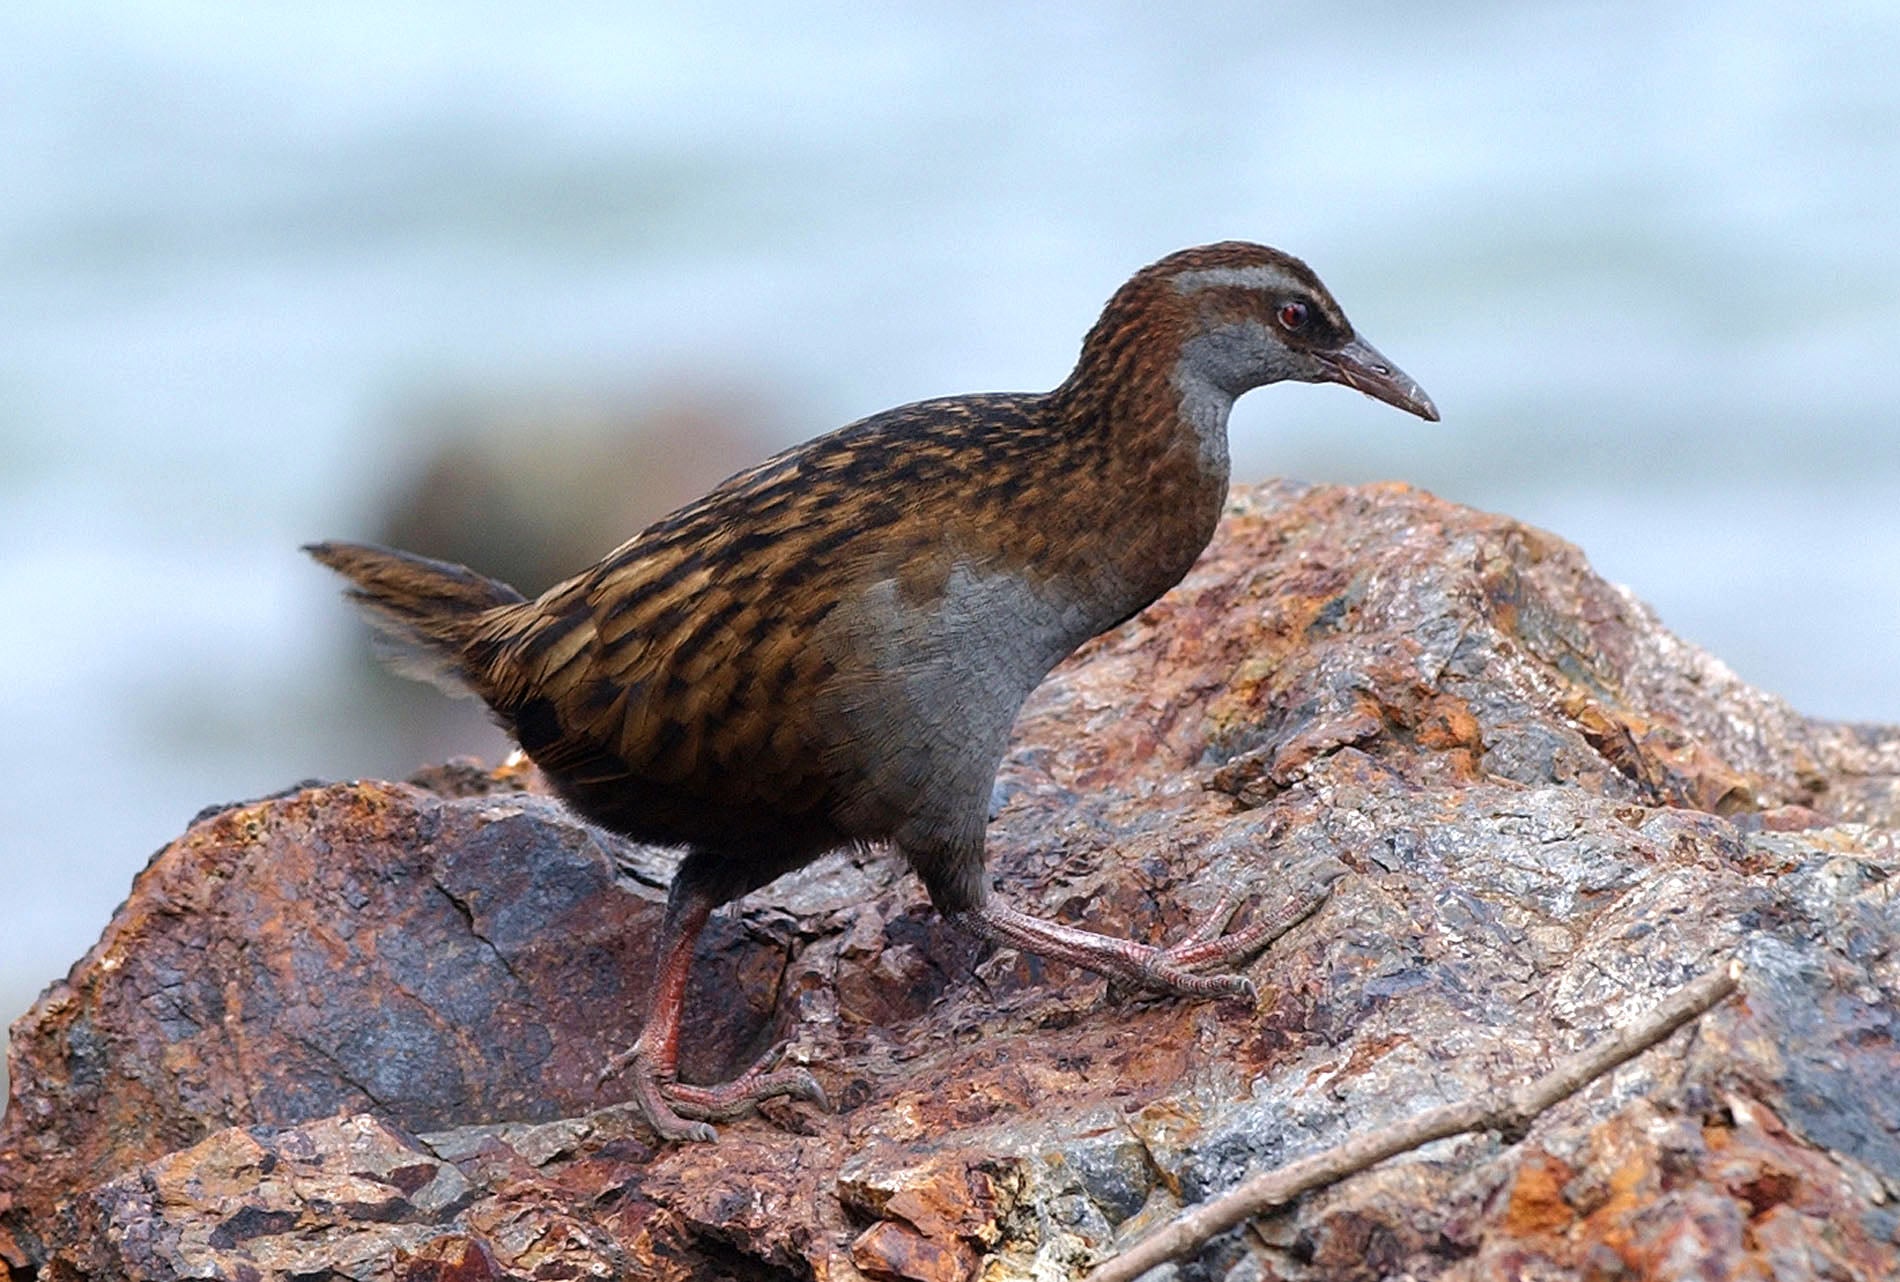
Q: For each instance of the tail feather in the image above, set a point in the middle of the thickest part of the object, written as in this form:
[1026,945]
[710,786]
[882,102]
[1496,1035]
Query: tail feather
[428,612]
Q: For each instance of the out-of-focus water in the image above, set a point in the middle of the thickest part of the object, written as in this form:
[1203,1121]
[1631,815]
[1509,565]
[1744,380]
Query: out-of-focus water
[1645,257]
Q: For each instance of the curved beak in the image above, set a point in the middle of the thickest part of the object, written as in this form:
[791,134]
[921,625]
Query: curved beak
[1359,365]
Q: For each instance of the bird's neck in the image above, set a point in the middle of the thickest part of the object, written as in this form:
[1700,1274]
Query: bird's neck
[1203,407]
[1149,439]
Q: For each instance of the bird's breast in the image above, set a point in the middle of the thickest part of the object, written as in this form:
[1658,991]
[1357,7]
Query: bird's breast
[927,684]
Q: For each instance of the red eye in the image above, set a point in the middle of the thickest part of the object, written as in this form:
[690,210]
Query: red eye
[1292,315]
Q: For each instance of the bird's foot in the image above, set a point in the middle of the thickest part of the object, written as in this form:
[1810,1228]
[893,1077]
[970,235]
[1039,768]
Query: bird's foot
[1209,943]
[1168,968]
[1121,959]
[678,1111]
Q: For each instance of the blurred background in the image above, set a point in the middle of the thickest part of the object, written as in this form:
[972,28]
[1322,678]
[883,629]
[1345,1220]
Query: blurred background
[535,273]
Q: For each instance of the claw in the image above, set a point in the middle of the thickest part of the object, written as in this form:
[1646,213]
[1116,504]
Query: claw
[811,1092]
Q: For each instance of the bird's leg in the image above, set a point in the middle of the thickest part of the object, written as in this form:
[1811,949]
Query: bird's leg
[676,1110]
[1168,969]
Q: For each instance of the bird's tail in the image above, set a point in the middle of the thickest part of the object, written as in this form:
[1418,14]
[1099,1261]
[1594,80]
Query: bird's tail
[432,615]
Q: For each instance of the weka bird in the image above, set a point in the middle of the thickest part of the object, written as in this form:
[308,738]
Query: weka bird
[831,648]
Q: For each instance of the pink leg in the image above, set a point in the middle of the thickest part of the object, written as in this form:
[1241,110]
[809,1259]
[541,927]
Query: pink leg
[1167,969]
[653,1059]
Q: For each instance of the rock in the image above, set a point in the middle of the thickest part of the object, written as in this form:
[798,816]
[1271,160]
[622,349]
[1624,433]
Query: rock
[351,1031]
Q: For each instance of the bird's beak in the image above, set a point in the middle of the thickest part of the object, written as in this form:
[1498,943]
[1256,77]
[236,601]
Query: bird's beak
[1359,365]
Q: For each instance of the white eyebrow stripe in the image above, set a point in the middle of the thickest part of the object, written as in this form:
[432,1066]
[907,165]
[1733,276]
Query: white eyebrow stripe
[1260,276]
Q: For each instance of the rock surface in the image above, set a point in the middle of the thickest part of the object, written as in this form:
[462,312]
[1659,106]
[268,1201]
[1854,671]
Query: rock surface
[351,1031]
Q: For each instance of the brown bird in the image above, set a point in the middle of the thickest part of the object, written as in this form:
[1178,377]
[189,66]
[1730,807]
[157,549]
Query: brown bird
[830,649]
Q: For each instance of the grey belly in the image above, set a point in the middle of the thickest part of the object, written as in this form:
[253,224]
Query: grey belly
[925,696]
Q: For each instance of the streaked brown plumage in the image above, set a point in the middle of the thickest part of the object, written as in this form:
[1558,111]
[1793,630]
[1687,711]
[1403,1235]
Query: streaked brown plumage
[831,647]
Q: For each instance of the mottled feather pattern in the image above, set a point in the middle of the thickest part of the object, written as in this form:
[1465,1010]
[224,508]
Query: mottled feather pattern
[689,653]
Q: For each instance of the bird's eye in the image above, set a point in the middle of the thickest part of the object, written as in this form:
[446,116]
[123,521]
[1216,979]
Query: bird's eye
[1293,315]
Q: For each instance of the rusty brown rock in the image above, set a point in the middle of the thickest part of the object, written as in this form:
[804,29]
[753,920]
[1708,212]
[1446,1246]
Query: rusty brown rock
[353,1028]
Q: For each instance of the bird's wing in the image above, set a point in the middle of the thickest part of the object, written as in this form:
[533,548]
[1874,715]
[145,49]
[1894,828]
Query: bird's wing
[689,657]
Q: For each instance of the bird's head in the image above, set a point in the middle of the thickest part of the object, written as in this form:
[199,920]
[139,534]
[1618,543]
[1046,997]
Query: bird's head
[1244,315]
